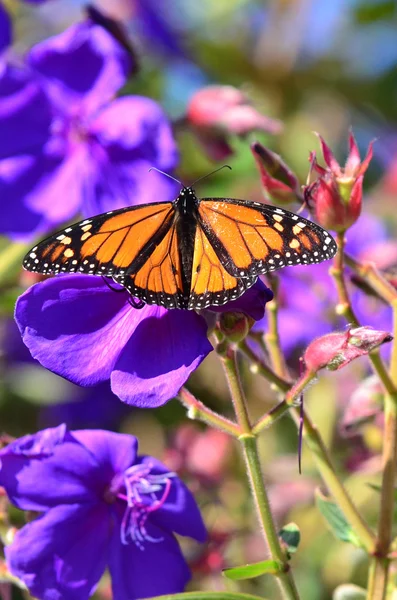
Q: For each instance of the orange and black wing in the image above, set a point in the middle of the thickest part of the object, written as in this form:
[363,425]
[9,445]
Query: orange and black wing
[159,280]
[250,238]
[111,244]
[211,283]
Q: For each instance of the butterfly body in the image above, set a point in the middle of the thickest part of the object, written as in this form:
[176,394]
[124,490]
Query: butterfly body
[190,253]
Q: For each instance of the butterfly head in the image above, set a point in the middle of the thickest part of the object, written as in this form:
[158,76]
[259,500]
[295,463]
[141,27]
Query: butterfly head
[187,199]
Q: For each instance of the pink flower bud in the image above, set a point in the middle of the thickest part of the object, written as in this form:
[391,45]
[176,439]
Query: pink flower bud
[335,197]
[364,405]
[217,111]
[335,350]
[279,183]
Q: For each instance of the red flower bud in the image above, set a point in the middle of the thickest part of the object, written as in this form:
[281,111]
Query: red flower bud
[216,111]
[335,350]
[335,198]
[279,183]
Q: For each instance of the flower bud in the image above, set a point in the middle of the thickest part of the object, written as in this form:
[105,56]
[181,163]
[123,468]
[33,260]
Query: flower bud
[364,404]
[216,111]
[335,198]
[279,183]
[235,326]
[335,350]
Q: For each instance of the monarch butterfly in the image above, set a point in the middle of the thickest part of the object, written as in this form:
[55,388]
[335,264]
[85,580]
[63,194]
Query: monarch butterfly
[190,253]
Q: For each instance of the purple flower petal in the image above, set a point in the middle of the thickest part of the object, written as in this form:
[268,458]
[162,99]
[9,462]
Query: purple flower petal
[33,189]
[179,513]
[75,326]
[63,554]
[68,474]
[251,303]
[158,358]
[158,568]
[5,28]
[114,452]
[83,66]
[129,137]
[25,113]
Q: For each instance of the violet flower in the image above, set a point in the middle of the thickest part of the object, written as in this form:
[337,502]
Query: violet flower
[67,146]
[77,327]
[103,506]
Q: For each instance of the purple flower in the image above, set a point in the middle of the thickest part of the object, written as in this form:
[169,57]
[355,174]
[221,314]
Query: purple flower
[77,327]
[5,28]
[67,146]
[103,506]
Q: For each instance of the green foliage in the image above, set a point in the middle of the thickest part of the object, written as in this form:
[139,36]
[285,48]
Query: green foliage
[335,519]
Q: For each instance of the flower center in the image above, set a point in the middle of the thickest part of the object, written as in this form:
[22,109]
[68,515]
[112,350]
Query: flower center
[144,492]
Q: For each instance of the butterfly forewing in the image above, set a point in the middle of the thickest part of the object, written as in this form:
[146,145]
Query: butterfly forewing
[110,244]
[260,238]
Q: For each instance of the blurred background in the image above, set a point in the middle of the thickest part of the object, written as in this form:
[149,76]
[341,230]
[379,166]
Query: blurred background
[309,66]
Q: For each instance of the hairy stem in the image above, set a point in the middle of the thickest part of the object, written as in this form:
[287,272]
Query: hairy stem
[198,410]
[250,452]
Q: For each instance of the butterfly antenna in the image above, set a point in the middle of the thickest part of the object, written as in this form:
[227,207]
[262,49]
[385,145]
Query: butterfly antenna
[166,174]
[212,172]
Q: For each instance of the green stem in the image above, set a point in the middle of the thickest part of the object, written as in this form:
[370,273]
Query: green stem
[260,367]
[322,458]
[272,337]
[263,510]
[379,570]
[345,309]
[371,275]
[230,366]
[198,410]
[250,451]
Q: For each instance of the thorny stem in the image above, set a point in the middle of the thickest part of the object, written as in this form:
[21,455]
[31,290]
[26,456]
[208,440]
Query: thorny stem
[198,410]
[251,456]
[379,569]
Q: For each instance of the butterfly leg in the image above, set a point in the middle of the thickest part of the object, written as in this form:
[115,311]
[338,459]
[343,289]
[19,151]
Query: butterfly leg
[105,279]
[136,303]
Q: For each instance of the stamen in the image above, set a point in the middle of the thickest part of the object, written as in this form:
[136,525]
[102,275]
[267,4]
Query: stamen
[142,489]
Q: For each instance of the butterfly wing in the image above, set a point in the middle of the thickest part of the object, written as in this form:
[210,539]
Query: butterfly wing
[159,280]
[211,284]
[111,244]
[251,238]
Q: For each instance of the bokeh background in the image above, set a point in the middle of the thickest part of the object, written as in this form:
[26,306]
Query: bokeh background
[315,66]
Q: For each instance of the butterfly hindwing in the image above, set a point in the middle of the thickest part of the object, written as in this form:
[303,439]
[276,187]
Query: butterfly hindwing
[159,279]
[211,284]
[113,243]
[251,238]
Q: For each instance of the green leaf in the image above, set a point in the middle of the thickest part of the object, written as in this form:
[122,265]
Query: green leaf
[208,596]
[291,537]
[253,570]
[336,520]
[348,591]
